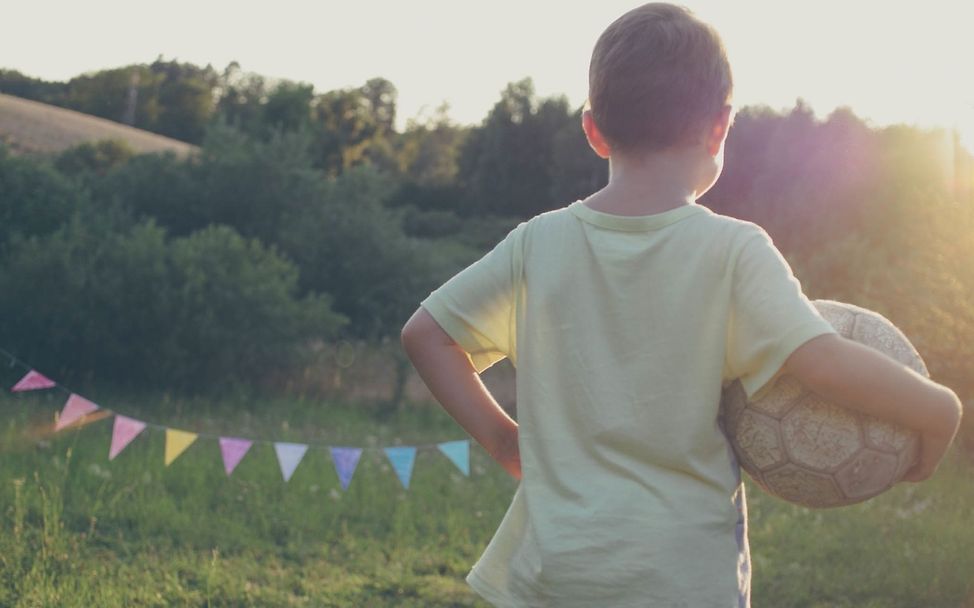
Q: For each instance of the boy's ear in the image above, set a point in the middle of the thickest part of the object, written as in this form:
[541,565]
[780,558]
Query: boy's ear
[718,132]
[594,136]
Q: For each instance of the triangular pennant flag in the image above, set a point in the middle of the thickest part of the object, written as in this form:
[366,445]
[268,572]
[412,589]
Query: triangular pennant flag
[459,453]
[288,456]
[176,443]
[77,407]
[402,462]
[32,381]
[124,431]
[233,451]
[346,459]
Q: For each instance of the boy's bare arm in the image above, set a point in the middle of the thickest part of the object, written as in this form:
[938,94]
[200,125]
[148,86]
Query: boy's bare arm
[863,379]
[447,371]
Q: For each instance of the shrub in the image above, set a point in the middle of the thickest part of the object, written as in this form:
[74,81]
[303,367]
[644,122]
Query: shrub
[34,198]
[131,306]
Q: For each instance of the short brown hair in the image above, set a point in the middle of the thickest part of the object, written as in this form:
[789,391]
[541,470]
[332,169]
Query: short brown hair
[658,76]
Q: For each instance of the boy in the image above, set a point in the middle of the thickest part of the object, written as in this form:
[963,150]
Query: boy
[625,314]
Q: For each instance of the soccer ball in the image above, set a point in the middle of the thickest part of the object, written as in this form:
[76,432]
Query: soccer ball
[808,451]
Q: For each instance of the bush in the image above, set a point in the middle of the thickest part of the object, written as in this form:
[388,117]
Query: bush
[430,224]
[94,157]
[350,245]
[34,198]
[161,187]
[132,307]
[238,314]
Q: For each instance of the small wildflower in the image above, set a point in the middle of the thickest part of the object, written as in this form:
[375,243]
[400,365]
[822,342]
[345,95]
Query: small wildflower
[96,470]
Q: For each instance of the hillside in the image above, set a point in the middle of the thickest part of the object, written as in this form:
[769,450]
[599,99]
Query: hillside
[31,127]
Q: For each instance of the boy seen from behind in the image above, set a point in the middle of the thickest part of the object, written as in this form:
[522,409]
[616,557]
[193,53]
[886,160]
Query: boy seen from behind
[625,314]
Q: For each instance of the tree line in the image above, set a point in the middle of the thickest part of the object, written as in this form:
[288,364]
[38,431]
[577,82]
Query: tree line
[307,216]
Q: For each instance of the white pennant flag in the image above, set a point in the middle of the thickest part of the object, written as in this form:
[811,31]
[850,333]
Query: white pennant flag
[289,455]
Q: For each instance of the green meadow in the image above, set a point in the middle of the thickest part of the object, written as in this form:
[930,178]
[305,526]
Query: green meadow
[79,530]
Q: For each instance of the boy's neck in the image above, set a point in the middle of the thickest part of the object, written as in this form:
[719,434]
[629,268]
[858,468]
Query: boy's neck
[651,183]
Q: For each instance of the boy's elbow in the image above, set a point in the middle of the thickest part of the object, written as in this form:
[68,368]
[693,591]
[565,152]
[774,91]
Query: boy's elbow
[808,363]
[952,410]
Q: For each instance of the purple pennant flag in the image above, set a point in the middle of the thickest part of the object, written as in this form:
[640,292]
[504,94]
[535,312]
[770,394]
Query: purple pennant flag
[125,430]
[233,451]
[32,381]
[346,459]
[402,462]
[77,407]
[289,455]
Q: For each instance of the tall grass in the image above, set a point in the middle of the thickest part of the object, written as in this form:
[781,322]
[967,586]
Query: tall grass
[78,530]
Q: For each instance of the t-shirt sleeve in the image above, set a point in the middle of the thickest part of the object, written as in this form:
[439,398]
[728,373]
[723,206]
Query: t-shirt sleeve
[769,316]
[476,307]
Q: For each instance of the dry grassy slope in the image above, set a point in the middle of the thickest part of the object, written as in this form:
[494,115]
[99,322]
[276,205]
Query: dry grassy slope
[32,127]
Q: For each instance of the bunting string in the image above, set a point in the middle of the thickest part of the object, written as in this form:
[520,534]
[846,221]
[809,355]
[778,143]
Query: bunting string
[126,429]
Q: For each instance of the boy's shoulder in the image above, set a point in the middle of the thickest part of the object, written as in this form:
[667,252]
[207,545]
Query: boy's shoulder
[734,230]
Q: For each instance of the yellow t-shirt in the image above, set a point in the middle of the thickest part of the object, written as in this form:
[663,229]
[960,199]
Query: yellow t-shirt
[623,330]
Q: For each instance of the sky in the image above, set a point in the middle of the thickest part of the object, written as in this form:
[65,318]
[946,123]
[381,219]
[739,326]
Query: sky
[890,61]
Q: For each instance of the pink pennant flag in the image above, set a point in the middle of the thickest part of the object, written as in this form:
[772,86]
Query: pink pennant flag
[77,407]
[33,381]
[125,430]
[233,451]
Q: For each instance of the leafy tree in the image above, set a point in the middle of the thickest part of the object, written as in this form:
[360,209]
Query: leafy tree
[429,151]
[236,180]
[105,94]
[288,106]
[576,171]
[185,99]
[173,99]
[255,185]
[94,157]
[381,96]
[35,198]
[161,187]
[507,164]
[350,245]
[15,83]
[800,178]
[238,311]
[345,128]
[241,99]
[130,306]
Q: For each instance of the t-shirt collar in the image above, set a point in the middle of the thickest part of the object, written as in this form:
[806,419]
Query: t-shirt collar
[635,223]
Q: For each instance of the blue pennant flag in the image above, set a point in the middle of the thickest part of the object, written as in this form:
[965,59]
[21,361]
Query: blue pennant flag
[345,459]
[402,459]
[459,454]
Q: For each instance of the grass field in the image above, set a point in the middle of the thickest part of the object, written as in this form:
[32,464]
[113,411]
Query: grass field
[78,530]
[32,127]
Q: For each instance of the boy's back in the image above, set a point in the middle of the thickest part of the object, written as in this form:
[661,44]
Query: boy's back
[622,330]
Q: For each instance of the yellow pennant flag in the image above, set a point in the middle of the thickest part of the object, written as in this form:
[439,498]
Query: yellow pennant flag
[176,443]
